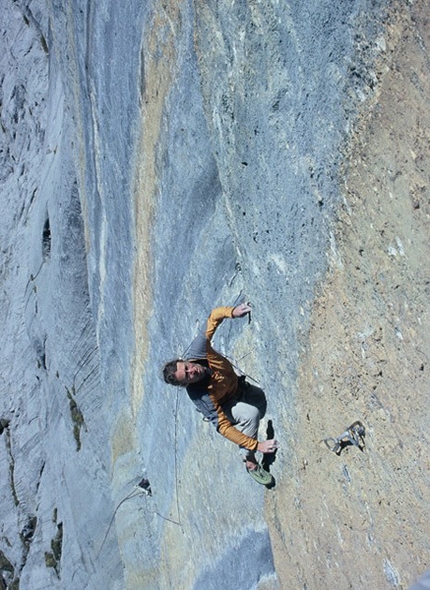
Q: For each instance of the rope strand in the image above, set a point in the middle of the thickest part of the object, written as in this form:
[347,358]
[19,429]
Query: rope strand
[176,458]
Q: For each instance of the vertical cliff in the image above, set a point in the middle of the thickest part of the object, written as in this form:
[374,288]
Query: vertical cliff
[163,158]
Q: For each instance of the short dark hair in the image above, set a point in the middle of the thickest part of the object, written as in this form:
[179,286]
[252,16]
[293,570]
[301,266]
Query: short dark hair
[169,372]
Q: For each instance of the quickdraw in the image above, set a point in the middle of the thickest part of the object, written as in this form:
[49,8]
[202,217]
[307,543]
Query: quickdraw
[354,435]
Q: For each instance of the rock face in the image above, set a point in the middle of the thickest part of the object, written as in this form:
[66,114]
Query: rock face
[159,159]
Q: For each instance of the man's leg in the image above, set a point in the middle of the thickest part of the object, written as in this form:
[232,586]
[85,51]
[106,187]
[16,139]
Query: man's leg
[246,414]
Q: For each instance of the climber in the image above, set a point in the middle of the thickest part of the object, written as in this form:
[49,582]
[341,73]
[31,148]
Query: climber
[234,406]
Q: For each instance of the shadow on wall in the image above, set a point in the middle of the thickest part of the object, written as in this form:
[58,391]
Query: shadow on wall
[241,566]
[423,583]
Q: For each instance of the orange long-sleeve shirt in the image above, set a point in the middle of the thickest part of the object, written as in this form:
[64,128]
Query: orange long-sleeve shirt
[223,383]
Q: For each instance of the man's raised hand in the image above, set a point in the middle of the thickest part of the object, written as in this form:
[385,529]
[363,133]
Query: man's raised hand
[241,310]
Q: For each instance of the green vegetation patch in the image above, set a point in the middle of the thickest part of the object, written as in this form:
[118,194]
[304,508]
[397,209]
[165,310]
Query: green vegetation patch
[5,564]
[53,557]
[76,415]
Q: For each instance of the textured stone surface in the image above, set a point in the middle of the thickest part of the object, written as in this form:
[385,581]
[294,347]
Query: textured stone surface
[162,158]
[367,353]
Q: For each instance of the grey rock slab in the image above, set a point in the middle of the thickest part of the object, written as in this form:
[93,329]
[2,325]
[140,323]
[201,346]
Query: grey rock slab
[231,117]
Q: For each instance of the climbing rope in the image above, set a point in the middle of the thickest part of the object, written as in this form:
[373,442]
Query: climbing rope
[142,488]
[176,458]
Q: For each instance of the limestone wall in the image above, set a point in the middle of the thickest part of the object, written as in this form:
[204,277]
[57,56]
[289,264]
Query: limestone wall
[159,159]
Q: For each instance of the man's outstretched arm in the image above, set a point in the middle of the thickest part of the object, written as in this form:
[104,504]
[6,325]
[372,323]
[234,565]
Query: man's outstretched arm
[197,348]
[221,313]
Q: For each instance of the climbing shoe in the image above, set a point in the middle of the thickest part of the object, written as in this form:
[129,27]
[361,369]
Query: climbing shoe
[260,475]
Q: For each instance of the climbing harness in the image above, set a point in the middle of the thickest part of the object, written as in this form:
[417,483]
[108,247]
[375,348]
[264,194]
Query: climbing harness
[354,435]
